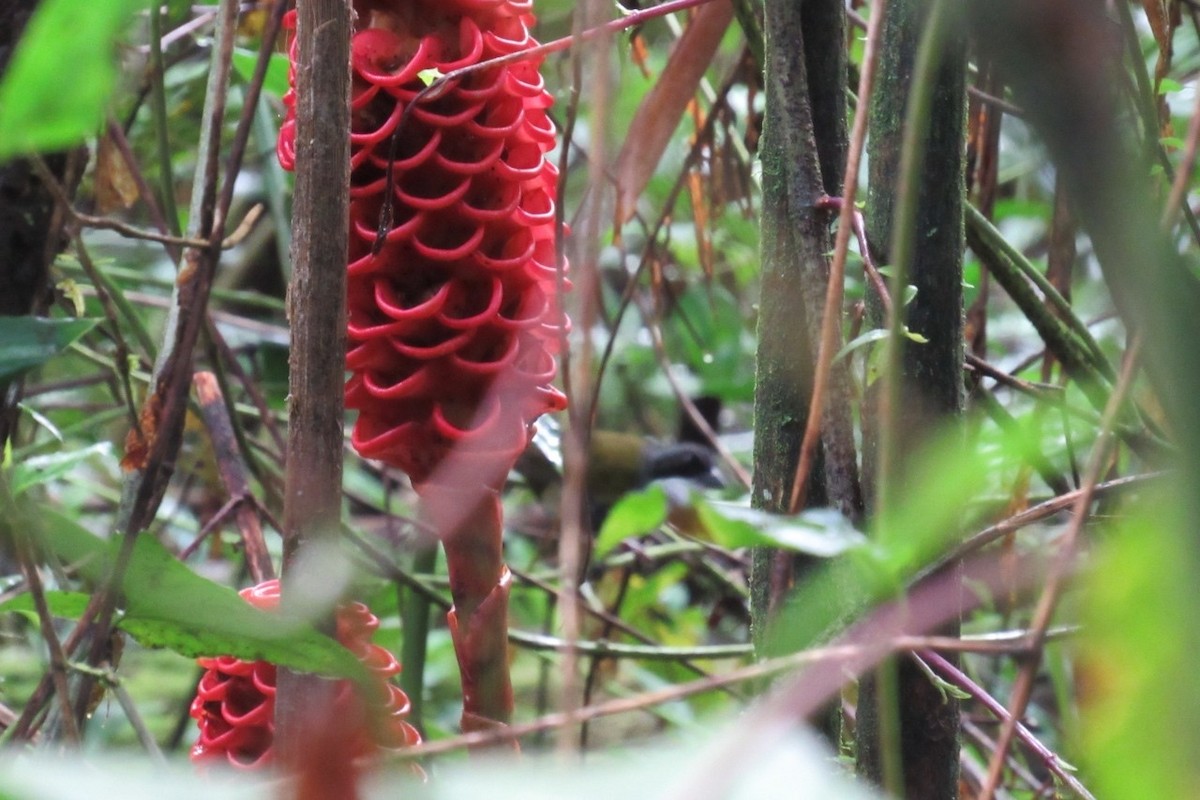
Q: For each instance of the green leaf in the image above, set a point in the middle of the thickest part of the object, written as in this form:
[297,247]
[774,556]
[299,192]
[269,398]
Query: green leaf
[1169,86]
[168,605]
[818,532]
[862,340]
[428,76]
[1138,655]
[61,75]
[39,469]
[940,480]
[635,514]
[27,342]
[276,80]
[66,605]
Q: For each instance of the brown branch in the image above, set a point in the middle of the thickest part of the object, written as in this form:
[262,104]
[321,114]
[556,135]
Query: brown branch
[1048,757]
[233,474]
[304,715]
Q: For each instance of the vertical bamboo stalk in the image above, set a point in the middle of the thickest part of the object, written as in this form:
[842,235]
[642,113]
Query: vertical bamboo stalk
[905,723]
[802,150]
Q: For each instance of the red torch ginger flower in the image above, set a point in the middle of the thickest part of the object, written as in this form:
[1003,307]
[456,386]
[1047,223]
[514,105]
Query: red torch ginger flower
[453,312]
[235,701]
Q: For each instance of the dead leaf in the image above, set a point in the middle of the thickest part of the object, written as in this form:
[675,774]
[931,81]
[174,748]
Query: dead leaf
[140,439]
[664,105]
[115,186]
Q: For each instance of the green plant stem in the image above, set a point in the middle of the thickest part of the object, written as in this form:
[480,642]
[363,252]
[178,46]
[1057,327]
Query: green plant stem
[749,16]
[158,106]
[106,288]
[798,171]
[236,296]
[1065,334]
[1146,107]
[907,735]
[606,649]
[903,246]
[414,615]
[275,183]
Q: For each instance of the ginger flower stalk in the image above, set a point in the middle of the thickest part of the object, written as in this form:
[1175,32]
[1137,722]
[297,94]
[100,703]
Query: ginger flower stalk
[453,313]
[235,701]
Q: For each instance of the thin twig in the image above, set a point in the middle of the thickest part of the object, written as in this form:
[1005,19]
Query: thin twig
[1047,756]
[1183,176]
[121,356]
[754,672]
[145,737]
[1039,512]
[233,476]
[685,402]
[703,139]
[577,442]
[997,102]
[1048,602]
[133,232]
[158,107]
[58,659]
[116,134]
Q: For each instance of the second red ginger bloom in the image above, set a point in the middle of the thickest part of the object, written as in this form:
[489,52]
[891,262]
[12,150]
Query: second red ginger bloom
[235,701]
[452,285]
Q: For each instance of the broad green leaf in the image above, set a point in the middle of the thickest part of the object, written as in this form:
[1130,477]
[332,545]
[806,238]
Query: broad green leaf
[939,482]
[168,605]
[635,514]
[39,469]
[818,532]
[61,75]
[1138,660]
[276,80]
[67,605]
[27,342]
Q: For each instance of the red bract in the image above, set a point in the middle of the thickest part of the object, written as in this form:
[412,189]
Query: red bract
[235,701]
[452,287]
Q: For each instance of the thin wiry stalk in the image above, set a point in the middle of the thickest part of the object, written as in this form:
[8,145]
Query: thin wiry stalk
[576,443]
[156,445]
[1061,568]
[1047,756]
[158,105]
